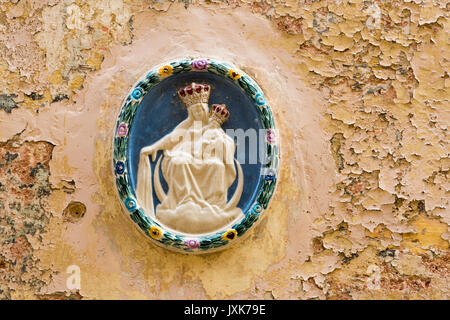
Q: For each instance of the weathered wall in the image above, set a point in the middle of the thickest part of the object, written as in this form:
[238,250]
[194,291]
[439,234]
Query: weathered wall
[361,210]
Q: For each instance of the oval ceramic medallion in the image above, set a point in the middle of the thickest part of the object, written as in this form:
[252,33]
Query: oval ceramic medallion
[195,154]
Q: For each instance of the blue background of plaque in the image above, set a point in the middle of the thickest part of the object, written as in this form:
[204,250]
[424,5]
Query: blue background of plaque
[161,111]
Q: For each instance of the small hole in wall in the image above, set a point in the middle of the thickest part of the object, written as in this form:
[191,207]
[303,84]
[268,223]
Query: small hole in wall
[74,211]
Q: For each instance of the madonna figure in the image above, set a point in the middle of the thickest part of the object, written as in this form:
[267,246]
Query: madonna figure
[199,167]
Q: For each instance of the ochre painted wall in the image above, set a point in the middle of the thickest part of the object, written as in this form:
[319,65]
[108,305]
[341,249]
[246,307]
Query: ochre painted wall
[360,93]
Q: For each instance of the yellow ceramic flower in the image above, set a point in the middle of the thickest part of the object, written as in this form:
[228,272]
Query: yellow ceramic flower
[229,235]
[165,70]
[155,232]
[234,74]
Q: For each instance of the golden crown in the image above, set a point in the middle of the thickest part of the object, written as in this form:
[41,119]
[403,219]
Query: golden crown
[220,113]
[195,93]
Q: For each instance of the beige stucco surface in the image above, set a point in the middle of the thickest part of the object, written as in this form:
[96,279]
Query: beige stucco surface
[361,206]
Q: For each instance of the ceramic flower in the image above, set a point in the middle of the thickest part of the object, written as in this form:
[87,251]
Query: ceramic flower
[192,243]
[155,232]
[234,74]
[136,94]
[259,99]
[122,130]
[130,204]
[229,235]
[120,167]
[271,137]
[200,64]
[270,175]
[165,70]
[256,209]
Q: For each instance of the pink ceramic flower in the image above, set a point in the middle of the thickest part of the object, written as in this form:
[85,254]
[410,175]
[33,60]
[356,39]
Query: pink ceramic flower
[200,64]
[122,130]
[192,243]
[271,137]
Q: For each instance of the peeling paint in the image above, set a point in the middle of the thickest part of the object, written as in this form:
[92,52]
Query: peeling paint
[7,102]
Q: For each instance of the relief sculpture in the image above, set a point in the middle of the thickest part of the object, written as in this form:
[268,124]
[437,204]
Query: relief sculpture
[198,165]
[195,155]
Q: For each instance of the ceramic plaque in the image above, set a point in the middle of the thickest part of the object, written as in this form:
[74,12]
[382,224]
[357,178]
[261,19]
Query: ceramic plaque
[195,155]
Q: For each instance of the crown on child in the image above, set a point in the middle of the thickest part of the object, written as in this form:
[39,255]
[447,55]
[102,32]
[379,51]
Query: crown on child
[220,113]
[195,93]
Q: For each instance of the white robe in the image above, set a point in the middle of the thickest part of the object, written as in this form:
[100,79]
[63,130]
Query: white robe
[196,201]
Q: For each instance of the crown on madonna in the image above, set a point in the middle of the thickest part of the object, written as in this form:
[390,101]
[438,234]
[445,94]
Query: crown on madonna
[194,94]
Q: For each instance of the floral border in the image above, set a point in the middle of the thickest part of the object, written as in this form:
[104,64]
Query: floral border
[154,230]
